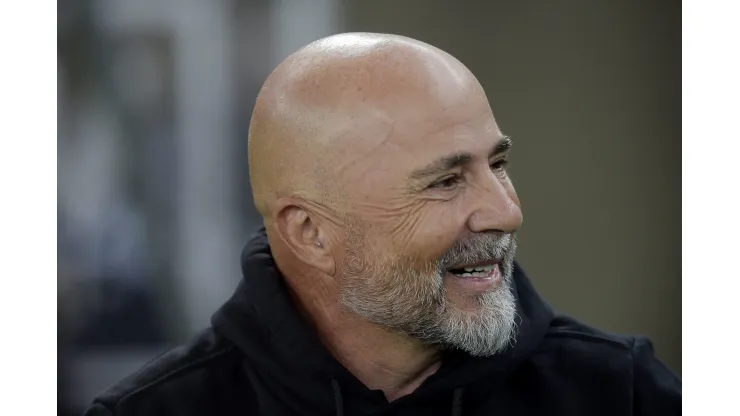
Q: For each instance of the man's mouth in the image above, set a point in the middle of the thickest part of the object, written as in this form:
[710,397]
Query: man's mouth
[476,278]
[481,270]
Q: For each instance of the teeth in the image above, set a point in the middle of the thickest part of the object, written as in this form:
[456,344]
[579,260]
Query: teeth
[479,271]
[484,268]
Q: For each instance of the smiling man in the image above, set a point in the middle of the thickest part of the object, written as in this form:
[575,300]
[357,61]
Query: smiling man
[384,280]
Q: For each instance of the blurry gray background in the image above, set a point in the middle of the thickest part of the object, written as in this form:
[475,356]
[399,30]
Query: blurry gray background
[154,204]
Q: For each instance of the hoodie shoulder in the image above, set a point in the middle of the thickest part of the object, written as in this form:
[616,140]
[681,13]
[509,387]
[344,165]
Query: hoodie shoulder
[657,389]
[566,328]
[177,382]
[624,363]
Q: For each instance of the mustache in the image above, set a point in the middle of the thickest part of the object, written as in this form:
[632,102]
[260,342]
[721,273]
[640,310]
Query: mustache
[479,248]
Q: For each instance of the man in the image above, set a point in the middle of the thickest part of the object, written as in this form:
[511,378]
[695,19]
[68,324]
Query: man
[384,281]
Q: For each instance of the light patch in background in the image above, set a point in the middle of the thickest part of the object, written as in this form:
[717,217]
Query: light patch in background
[296,23]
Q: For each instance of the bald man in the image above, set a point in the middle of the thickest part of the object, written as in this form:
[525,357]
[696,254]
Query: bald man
[384,279]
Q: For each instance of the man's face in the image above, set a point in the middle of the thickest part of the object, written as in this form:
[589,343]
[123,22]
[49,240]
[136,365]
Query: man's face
[429,200]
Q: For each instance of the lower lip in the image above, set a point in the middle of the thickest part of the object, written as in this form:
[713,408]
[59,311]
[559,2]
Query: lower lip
[478,284]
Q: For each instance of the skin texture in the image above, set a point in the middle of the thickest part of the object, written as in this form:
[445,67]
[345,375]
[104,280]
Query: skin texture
[342,141]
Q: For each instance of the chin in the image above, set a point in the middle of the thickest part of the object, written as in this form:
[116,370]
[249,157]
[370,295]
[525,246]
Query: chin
[467,304]
[481,325]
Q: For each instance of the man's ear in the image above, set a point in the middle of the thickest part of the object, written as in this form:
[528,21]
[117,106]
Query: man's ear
[301,231]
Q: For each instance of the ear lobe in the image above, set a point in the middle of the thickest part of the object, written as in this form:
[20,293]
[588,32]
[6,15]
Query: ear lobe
[305,239]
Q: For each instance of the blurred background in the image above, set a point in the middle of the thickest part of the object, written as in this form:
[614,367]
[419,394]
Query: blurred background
[154,203]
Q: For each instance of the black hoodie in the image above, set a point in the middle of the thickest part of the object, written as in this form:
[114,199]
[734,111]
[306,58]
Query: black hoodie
[261,358]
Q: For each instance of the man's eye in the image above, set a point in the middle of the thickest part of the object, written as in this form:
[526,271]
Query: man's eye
[449,182]
[499,165]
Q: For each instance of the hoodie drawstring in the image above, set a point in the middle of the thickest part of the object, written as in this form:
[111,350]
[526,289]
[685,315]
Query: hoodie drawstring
[457,402]
[338,401]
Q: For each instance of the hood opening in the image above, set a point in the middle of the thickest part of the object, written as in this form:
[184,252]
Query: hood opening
[262,321]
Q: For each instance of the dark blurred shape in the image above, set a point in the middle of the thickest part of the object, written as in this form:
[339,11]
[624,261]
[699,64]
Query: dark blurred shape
[78,38]
[128,318]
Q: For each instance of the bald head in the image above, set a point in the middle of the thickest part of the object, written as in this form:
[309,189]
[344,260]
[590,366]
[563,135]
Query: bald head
[338,98]
[379,169]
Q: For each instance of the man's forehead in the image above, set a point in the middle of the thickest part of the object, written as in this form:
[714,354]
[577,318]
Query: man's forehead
[390,149]
[443,130]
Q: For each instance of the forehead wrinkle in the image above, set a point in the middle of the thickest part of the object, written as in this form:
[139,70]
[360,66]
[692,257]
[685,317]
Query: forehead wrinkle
[358,158]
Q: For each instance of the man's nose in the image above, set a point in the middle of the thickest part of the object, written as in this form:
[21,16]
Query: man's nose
[496,207]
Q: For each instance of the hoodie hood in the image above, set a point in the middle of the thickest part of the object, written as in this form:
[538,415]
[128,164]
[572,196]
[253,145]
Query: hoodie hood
[286,359]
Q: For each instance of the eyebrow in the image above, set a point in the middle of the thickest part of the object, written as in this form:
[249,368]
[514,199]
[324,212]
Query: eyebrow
[449,162]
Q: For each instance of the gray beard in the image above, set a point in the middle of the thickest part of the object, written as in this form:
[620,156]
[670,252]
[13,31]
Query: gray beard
[390,293]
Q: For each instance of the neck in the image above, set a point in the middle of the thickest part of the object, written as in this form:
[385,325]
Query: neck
[380,358]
